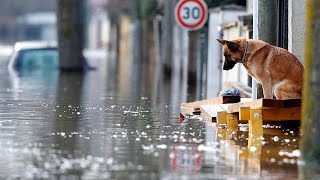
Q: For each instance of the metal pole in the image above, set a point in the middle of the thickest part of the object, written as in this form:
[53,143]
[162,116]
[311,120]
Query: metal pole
[255,36]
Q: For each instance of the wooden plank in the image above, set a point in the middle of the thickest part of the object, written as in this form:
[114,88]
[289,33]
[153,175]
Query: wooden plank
[278,114]
[236,107]
[255,123]
[211,101]
[225,106]
[258,116]
[265,103]
[292,103]
[210,111]
[281,114]
[244,114]
[243,100]
[222,118]
[232,132]
[256,142]
[189,111]
[274,103]
[232,120]
[262,103]
[221,134]
[232,126]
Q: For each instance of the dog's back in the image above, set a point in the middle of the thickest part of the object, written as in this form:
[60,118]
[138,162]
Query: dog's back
[288,74]
[286,71]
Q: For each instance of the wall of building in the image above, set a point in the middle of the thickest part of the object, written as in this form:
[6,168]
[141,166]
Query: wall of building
[99,32]
[11,9]
[238,73]
[214,71]
[250,6]
[216,77]
[296,18]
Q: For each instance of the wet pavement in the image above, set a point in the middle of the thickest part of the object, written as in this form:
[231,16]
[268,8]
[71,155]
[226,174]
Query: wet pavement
[121,121]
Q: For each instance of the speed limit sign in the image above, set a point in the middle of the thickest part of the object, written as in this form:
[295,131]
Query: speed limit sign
[191,14]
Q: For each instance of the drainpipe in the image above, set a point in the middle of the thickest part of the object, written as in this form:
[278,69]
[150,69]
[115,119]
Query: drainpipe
[255,36]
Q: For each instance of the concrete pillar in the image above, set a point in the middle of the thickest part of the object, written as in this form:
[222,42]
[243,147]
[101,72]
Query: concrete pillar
[296,27]
[268,21]
[310,149]
[192,60]
[70,24]
[168,23]
[268,13]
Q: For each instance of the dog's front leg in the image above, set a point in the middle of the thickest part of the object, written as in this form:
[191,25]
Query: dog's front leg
[267,90]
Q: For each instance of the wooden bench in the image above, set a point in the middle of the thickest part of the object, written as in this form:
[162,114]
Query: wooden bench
[255,113]
[230,111]
[259,111]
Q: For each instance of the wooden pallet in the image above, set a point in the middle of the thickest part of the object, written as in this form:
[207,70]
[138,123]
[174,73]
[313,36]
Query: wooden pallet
[194,107]
[218,112]
[254,112]
[263,110]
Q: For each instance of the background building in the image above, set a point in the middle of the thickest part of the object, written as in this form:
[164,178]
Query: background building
[10,10]
[288,29]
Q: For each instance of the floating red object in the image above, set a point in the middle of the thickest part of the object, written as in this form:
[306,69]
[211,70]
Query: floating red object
[181,118]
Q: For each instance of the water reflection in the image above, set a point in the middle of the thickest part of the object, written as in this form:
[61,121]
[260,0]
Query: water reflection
[241,156]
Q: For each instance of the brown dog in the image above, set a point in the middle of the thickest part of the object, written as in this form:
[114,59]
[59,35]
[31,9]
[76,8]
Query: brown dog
[279,71]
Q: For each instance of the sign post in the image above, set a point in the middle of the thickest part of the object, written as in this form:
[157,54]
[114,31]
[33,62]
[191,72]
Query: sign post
[191,14]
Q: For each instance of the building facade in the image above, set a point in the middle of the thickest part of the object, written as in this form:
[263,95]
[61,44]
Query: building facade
[290,30]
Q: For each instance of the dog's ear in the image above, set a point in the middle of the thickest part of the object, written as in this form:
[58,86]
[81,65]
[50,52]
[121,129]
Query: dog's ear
[221,41]
[233,46]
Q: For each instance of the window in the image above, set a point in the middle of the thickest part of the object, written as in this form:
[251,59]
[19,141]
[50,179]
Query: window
[38,59]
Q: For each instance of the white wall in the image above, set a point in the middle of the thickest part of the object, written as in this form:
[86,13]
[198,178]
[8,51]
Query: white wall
[179,65]
[98,32]
[214,77]
[296,29]
[238,73]
[250,6]
[49,33]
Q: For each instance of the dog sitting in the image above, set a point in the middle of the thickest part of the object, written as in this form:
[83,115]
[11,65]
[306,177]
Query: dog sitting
[278,71]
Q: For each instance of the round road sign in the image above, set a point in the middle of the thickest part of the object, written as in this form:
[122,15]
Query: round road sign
[191,14]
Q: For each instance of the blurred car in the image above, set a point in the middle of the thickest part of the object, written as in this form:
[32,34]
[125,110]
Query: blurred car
[34,55]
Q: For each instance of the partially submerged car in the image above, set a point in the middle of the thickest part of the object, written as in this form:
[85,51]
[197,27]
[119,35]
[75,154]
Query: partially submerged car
[34,55]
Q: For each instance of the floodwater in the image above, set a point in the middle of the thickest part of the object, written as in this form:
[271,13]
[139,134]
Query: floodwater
[121,121]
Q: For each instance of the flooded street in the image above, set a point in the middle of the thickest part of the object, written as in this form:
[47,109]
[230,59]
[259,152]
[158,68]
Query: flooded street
[159,89]
[106,124]
[121,121]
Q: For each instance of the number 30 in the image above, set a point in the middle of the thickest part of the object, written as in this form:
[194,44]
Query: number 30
[195,13]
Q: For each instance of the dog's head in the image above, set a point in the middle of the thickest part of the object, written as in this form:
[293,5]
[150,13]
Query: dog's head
[232,51]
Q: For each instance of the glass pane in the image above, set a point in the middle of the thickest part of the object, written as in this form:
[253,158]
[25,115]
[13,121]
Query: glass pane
[36,59]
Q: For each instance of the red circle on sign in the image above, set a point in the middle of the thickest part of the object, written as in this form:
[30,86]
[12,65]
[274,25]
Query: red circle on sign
[196,25]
